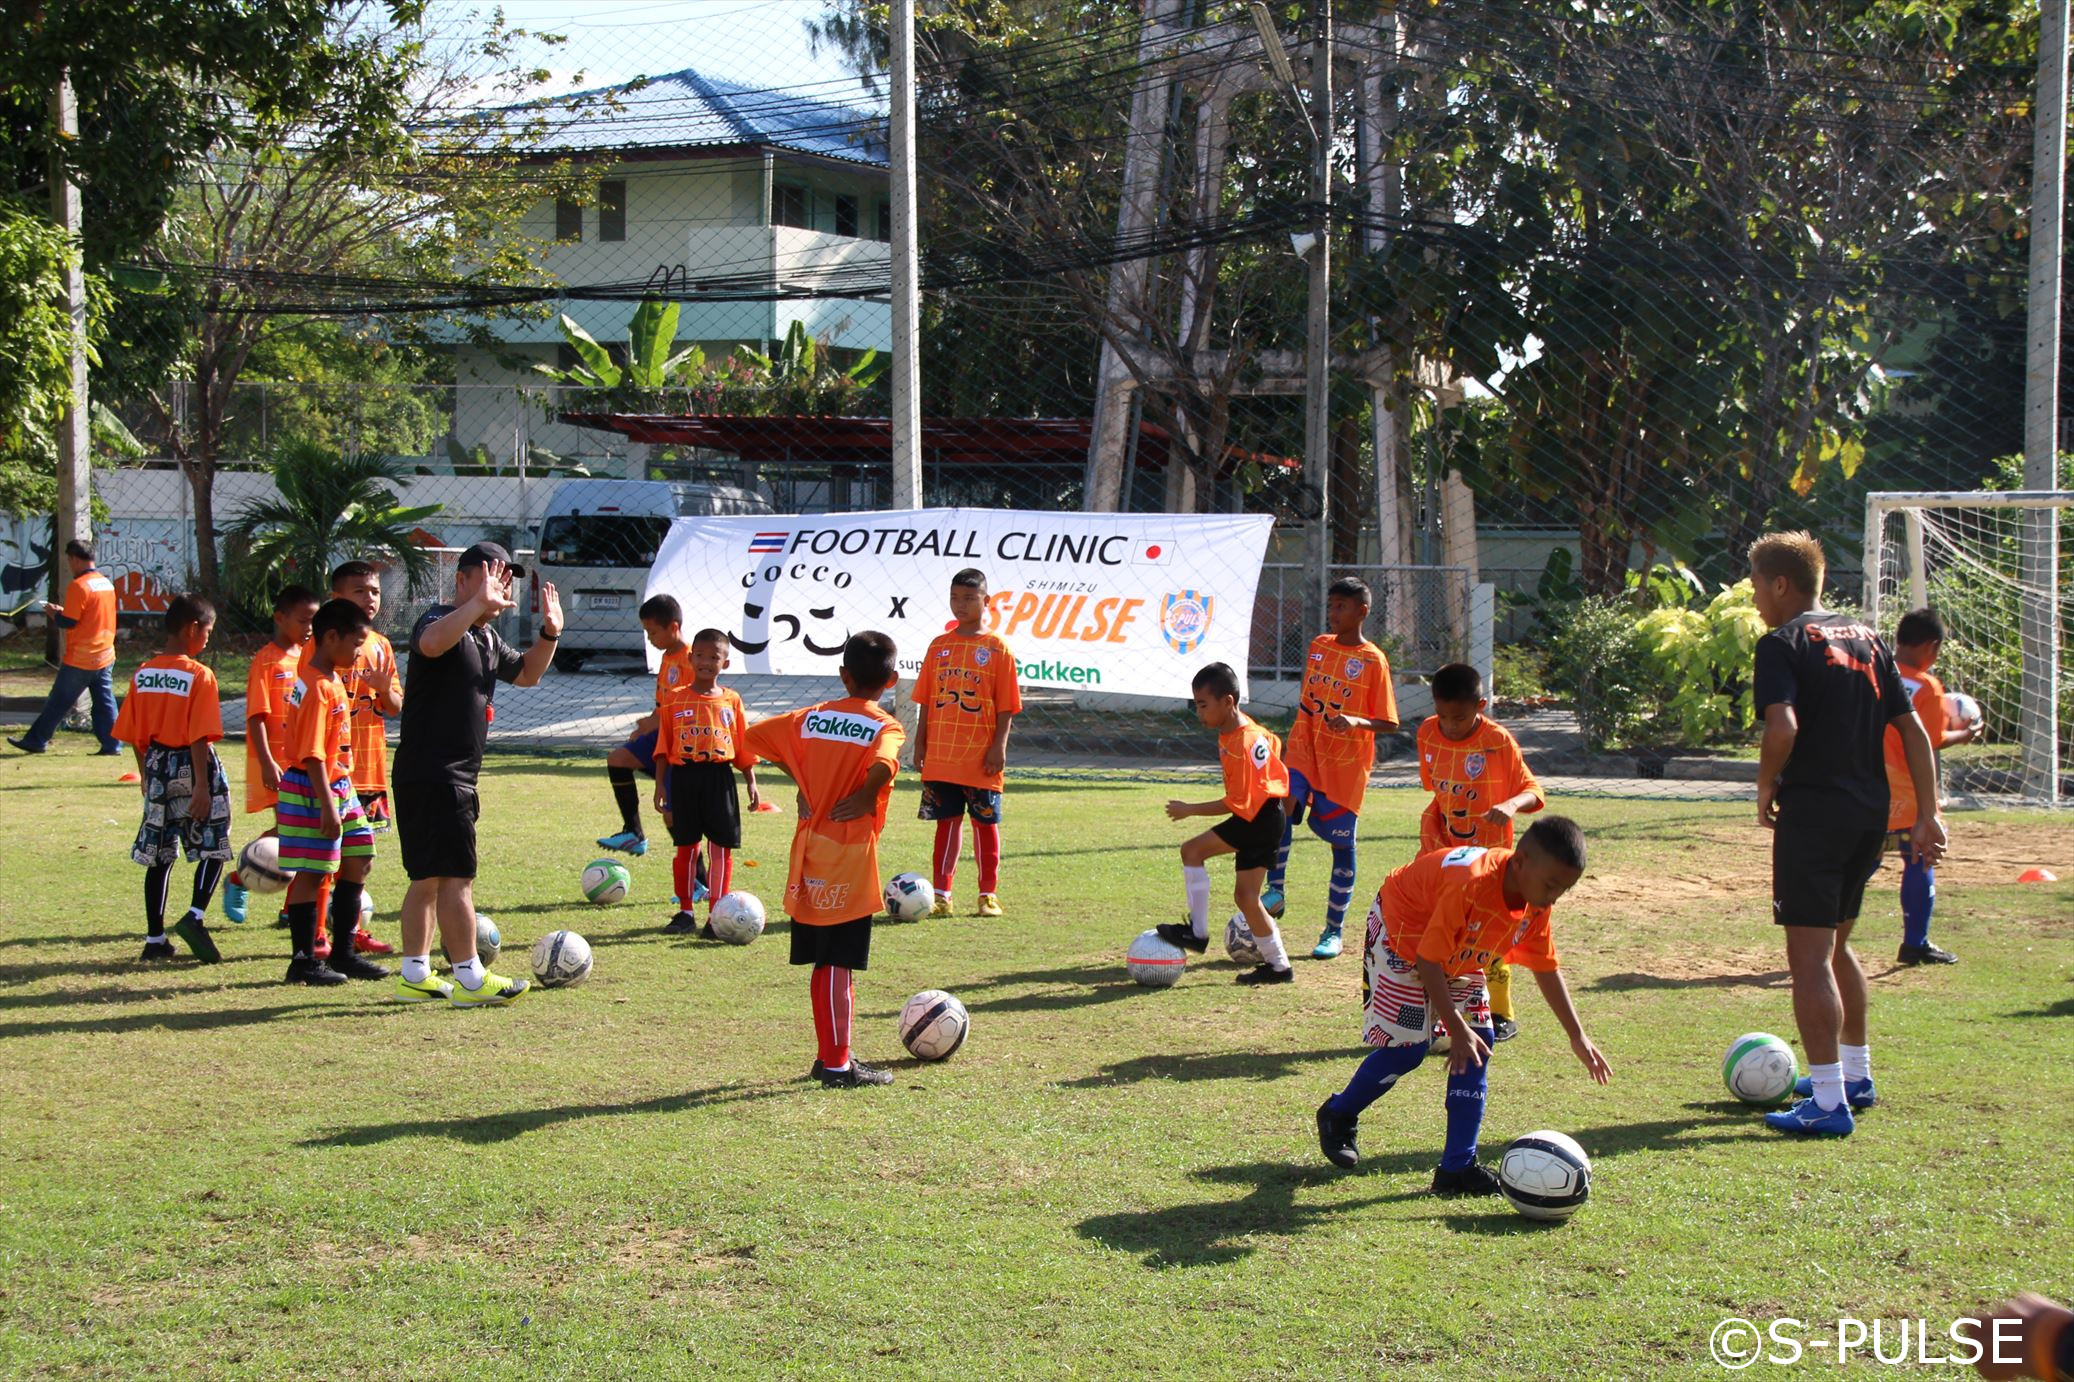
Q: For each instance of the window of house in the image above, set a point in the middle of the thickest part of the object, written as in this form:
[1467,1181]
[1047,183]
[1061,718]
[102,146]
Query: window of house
[846,216]
[612,210]
[791,206]
[568,220]
[886,222]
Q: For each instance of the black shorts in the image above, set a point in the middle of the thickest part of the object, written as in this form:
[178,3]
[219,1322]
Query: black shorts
[1256,840]
[950,801]
[1820,869]
[435,828]
[846,944]
[703,805]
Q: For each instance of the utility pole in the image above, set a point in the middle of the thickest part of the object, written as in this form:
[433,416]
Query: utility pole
[2039,732]
[1317,431]
[907,314]
[75,491]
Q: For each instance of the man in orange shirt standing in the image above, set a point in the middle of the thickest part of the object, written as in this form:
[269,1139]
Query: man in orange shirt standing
[842,755]
[88,619]
[969,697]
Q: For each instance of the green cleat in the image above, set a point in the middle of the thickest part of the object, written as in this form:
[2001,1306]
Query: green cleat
[432,989]
[195,935]
[495,989]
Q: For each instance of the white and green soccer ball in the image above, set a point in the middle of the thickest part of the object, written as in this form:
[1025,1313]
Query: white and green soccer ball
[909,897]
[1759,1069]
[606,881]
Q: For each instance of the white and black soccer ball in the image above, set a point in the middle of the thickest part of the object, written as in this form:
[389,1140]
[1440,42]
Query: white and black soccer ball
[561,958]
[489,943]
[738,918]
[1759,1069]
[909,897]
[366,908]
[1153,962]
[259,866]
[1962,710]
[606,881]
[1240,942]
[933,1025]
[1545,1175]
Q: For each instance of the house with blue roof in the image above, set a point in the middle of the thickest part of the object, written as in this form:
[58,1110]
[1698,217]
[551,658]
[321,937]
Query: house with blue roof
[716,190]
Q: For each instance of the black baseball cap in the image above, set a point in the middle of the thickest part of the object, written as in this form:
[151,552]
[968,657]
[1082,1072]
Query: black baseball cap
[483,553]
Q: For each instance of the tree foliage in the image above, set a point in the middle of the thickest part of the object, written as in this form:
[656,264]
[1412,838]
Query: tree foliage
[331,508]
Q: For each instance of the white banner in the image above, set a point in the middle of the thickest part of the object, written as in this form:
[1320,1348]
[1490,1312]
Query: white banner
[1122,603]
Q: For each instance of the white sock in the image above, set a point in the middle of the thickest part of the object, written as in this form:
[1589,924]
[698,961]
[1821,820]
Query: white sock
[1857,1061]
[197,914]
[1196,879]
[469,973]
[417,968]
[1829,1085]
[1271,947]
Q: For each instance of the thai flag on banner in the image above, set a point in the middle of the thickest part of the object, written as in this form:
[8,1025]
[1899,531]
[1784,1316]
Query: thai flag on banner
[768,542]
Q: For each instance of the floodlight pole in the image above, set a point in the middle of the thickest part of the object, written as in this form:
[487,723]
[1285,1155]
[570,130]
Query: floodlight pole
[74,518]
[1317,431]
[2038,731]
[907,316]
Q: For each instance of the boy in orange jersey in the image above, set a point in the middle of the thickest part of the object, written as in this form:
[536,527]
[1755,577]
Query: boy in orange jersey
[662,623]
[1255,786]
[1436,923]
[969,697]
[1347,700]
[1917,642]
[374,691]
[1480,781]
[701,743]
[843,755]
[267,685]
[88,661]
[172,718]
[323,829]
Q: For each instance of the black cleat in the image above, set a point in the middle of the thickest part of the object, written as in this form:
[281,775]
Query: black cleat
[1182,934]
[115,752]
[1266,974]
[195,936]
[1503,1029]
[352,966]
[1928,953]
[24,745]
[156,950]
[308,969]
[1336,1137]
[706,932]
[1473,1179]
[682,924]
[852,1076]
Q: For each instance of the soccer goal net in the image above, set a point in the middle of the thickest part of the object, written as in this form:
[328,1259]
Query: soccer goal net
[1998,570]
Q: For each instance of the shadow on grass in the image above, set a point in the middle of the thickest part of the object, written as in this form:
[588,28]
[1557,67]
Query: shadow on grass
[1073,986]
[1233,1065]
[109,996]
[1208,1232]
[2063,1008]
[180,1022]
[484,1128]
[50,938]
[1634,980]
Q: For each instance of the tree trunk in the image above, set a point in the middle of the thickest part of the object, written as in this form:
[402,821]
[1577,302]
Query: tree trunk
[1350,494]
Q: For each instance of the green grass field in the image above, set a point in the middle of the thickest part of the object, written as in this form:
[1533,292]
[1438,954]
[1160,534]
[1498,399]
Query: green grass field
[204,1173]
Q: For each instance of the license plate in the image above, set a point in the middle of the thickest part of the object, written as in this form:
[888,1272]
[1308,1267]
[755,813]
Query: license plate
[601,601]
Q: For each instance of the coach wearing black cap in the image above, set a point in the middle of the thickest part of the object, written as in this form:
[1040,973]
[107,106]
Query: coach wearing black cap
[456,661]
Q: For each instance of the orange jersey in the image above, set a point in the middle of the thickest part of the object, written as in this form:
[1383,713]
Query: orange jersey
[833,875]
[370,732]
[90,605]
[1448,906]
[673,674]
[172,701]
[1926,694]
[966,684]
[319,724]
[1343,681]
[1252,761]
[703,728]
[1467,778]
[267,686]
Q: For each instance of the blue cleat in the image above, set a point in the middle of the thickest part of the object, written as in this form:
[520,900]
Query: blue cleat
[1328,946]
[1857,1093]
[1271,902]
[234,903]
[626,841]
[1808,1119]
[699,891]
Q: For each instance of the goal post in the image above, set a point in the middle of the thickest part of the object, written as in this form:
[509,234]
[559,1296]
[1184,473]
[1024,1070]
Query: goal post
[1990,563]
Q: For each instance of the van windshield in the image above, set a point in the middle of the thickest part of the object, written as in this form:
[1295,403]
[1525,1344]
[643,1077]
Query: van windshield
[602,539]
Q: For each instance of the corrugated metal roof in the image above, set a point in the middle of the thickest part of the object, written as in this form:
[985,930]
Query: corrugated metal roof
[688,110]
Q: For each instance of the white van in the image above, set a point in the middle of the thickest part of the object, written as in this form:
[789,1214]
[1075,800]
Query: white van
[597,540]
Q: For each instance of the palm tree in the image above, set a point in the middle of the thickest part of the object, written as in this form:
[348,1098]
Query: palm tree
[331,509]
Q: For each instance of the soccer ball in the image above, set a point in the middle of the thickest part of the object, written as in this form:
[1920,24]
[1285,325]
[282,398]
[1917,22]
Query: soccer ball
[1155,963]
[366,908]
[1239,942]
[1759,1068]
[909,897]
[489,943]
[1545,1175]
[605,881]
[259,865]
[933,1025]
[561,958]
[738,918]
[1962,710]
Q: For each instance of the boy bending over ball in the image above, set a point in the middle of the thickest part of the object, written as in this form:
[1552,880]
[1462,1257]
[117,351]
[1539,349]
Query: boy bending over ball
[1434,926]
[1255,786]
[842,755]
[701,745]
[968,697]
[172,719]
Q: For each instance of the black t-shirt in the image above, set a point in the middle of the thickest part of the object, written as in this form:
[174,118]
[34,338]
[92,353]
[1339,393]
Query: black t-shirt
[1842,684]
[446,704]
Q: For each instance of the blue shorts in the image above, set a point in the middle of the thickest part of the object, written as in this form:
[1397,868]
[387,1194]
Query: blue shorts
[642,746]
[947,801]
[1330,821]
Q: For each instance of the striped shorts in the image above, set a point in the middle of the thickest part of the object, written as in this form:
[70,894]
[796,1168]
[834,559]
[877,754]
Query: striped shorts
[299,818]
[1393,1001]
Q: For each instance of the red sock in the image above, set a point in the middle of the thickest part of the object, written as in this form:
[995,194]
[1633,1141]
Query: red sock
[680,873]
[833,1003]
[950,838]
[720,874]
[986,843]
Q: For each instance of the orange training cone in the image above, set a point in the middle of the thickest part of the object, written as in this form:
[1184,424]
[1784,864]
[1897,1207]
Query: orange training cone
[2037,876]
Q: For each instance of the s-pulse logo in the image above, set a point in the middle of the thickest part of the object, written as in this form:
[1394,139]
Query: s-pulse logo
[841,727]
